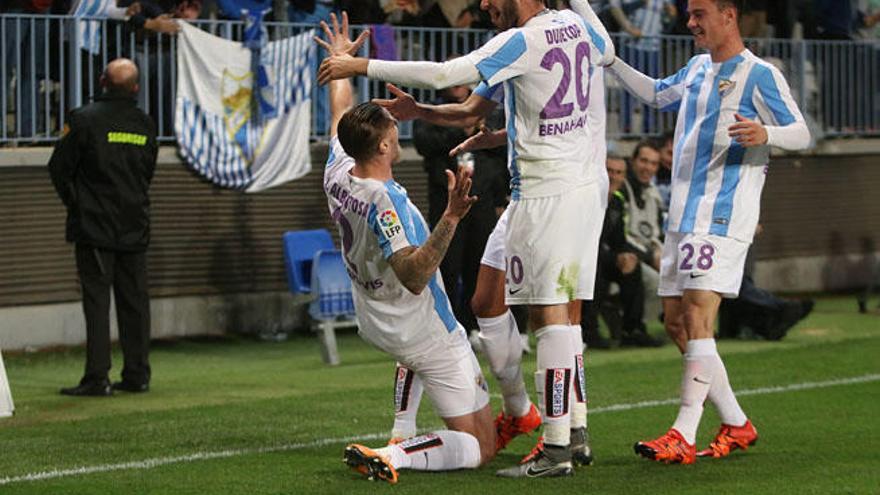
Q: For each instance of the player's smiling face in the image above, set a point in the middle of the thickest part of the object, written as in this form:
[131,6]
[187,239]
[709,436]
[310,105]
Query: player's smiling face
[503,13]
[710,23]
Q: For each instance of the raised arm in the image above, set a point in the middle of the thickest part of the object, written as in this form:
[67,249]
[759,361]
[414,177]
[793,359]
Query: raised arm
[501,58]
[339,43]
[599,35]
[432,75]
[466,114]
[415,266]
[640,85]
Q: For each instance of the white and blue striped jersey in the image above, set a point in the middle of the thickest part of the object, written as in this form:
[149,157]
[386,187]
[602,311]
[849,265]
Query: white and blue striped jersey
[647,17]
[546,67]
[716,182]
[375,220]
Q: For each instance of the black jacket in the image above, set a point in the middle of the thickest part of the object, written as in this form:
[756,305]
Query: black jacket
[102,168]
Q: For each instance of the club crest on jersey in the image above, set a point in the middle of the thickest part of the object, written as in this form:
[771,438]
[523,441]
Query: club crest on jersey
[725,86]
[390,223]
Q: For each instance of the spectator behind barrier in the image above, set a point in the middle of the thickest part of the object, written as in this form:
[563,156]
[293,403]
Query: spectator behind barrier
[644,206]
[617,262]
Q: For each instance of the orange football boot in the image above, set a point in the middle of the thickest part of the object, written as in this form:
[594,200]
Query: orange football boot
[508,427]
[671,448]
[730,438]
[369,463]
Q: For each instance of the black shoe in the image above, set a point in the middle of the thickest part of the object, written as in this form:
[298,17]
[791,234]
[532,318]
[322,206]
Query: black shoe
[90,389]
[132,387]
[640,339]
[792,313]
[599,343]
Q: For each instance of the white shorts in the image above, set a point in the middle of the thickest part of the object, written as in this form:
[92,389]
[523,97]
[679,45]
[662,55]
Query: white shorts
[493,255]
[552,245]
[451,376]
[701,262]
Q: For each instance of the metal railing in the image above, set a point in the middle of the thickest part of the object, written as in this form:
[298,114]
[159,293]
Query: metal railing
[44,75]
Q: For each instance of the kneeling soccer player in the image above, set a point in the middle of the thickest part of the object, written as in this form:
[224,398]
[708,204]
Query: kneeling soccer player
[398,293]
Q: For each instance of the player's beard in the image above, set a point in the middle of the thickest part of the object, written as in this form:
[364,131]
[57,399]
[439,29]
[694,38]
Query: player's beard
[508,15]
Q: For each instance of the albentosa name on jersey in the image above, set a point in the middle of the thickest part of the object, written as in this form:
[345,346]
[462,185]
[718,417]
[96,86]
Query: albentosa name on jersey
[557,36]
[558,128]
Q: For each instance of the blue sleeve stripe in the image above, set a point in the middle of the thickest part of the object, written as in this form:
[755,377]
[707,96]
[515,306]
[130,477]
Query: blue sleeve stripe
[723,210]
[401,206]
[373,222]
[331,156]
[441,300]
[675,79]
[772,97]
[509,53]
[485,91]
[598,42]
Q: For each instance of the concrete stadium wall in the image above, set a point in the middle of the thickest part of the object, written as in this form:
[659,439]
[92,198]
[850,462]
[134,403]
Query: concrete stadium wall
[216,264]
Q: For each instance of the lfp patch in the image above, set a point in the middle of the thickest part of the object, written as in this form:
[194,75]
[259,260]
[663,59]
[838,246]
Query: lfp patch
[390,223]
[388,218]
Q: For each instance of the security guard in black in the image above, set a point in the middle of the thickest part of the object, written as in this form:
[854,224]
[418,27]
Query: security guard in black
[101,169]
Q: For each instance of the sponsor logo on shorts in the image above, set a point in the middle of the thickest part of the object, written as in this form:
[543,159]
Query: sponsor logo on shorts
[557,391]
[513,292]
[697,275]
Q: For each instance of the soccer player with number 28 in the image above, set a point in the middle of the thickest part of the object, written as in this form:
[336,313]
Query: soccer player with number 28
[545,59]
[732,106]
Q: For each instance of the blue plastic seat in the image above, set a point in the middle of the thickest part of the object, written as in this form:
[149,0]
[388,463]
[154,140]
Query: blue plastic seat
[300,248]
[331,287]
[316,268]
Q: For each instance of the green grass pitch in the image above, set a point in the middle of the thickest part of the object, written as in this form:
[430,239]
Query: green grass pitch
[235,416]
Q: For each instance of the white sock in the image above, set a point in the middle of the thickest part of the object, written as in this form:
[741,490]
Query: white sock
[579,380]
[503,348]
[722,396]
[553,382]
[695,384]
[407,397]
[442,450]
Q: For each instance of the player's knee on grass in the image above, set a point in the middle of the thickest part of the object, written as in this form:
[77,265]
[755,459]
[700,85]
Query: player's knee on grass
[480,425]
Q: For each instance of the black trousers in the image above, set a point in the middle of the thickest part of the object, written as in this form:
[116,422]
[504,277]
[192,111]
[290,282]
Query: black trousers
[126,273]
[632,302]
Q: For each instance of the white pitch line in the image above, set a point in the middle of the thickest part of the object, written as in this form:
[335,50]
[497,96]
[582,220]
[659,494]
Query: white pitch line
[222,454]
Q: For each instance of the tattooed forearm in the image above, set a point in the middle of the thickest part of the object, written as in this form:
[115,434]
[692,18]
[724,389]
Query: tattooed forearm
[415,266]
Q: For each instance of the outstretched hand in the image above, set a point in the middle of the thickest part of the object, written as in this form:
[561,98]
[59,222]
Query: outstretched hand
[340,64]
[458,186]
[748,133]
[403,107]
[482,140]
[339,43]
